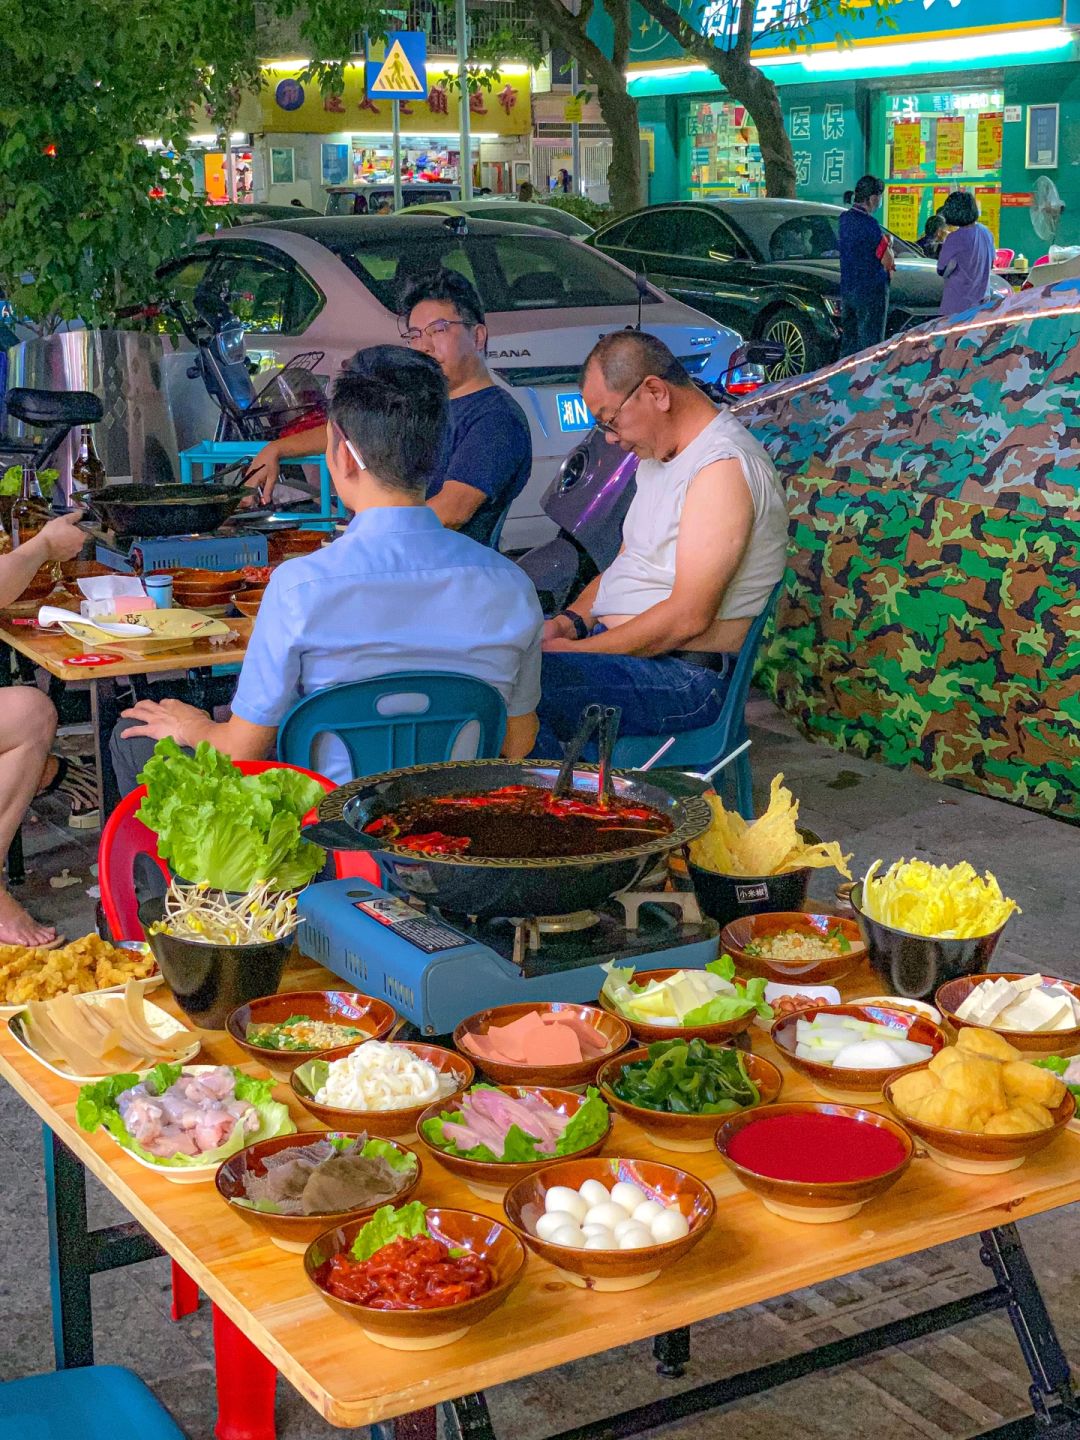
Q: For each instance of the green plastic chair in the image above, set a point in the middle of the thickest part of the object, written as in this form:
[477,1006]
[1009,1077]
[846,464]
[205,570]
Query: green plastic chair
[393,721]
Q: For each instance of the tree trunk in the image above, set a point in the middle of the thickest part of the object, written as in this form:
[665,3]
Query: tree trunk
[745,83]
[624,173]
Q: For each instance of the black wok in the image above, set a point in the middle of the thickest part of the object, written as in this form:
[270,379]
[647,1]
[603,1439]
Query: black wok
[147,511]
[473,885]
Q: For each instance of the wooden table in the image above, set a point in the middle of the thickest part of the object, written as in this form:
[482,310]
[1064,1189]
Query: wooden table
[50,649]
[748,1255]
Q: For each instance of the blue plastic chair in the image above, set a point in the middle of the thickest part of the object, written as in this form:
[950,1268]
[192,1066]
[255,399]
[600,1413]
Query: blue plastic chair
[397,720]
[700,749]
[94,1402]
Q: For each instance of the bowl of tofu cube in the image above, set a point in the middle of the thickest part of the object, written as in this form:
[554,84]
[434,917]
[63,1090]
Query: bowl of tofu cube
[1036,1014]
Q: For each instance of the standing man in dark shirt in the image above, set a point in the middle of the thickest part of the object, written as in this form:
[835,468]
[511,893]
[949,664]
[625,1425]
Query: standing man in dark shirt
[488,456]
[490,453]
[866,263]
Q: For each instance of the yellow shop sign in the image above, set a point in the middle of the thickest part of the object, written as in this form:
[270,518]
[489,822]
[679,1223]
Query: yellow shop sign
[298,106]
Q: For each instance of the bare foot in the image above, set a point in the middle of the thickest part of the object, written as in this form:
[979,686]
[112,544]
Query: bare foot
[17,927]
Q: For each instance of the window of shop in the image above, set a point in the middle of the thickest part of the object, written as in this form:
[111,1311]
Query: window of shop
[936,142]
[719,152]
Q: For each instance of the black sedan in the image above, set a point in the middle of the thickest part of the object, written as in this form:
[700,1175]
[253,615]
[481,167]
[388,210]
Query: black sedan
[768,268]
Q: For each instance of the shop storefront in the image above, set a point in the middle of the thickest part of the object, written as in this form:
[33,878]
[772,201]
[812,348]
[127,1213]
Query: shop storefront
[977,94]
[312,141]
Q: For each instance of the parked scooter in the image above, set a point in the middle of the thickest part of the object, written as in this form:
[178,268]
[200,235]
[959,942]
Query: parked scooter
[591,494]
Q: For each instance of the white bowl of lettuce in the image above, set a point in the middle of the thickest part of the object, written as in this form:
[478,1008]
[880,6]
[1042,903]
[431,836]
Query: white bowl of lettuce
[183,1120]
[709,1004]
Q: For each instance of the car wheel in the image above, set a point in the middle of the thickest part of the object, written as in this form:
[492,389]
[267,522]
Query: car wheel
[802,350]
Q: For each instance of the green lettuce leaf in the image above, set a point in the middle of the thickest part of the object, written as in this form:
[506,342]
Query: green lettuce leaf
[723,966]
[751,996]
[230,830]
[402,1160]
[313,1074]
[390,1223]
[520,1148]
[96,1107]
[587,1125]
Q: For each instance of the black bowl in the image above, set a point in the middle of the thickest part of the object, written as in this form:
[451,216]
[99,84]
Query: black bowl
[729,897]
[210,981]
[915,965]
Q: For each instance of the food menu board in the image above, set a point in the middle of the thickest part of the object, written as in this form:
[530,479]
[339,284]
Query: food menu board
[988,199]
[907,147]
[902,204]
[989,137]
[950,145]
[941,194]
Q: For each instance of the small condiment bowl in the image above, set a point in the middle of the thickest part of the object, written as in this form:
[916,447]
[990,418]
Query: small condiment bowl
[848,1086]
[616,1033]
[916,965]
[646,1033]
[814,1202]
[952,995]
[489,1180]
[612,1269]
[189,579]
[753,929]
[247,606]
[973,1154]
[296,1232]
[686,1134]
[334,1007]
[427,1329]
[390,1124]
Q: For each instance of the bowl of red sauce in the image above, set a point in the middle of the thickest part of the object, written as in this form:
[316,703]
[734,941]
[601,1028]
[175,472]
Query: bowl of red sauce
[422,1292]
[815,1163]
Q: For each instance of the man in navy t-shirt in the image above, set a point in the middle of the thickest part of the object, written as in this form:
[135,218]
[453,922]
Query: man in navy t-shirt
[490,449]
[866,263]
[488,453]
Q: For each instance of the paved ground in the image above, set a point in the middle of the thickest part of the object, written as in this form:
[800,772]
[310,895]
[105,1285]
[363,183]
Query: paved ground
[952,1385]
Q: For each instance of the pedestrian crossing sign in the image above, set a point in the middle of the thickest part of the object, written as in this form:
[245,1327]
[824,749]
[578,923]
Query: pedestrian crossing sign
[402,73]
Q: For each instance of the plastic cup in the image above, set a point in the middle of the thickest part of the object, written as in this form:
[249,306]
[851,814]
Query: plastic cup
[159,587]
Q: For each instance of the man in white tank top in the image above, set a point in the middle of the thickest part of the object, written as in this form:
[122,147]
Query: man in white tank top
[704,543]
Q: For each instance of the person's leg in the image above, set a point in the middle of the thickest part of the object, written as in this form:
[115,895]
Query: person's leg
[128,756]
[27,727]
[849,327]
[657,696]
[872,320]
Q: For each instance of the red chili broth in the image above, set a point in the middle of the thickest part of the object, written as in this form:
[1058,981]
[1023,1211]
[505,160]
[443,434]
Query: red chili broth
[815,1148]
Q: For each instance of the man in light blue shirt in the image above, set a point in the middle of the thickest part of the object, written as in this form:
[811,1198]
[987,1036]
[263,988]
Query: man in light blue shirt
[397,591]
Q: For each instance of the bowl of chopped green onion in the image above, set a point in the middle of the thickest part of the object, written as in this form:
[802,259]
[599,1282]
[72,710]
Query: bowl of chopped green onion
[218,951]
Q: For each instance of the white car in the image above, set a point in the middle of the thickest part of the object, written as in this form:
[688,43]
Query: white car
[333,284]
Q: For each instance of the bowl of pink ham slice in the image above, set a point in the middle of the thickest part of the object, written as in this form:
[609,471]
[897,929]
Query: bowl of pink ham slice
[538,1043]
[500,1119]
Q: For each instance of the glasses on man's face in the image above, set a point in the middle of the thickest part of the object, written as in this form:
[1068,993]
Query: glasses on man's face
[610,426]
[434,331]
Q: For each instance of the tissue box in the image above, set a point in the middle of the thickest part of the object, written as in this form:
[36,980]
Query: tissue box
[128,604]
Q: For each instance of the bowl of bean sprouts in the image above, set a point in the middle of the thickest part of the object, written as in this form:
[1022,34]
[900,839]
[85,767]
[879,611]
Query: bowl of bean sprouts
[216,950]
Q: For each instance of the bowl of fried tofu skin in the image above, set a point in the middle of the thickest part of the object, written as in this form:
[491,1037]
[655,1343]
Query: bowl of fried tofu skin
[979,1106]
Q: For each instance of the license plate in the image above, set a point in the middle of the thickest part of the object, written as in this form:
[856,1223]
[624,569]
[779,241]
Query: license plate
[573,412]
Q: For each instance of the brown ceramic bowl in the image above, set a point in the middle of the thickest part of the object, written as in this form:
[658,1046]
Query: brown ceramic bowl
[340,1007]
[974,1154]
[814,1202]
[427,1329]
[756,928]
[296,1232]
[490,1179]
[645,1033]
[207,579]
[952,995]
[390,1124]
[73,570]
[616,1032]
[247,607]
[612,1269]
[856,1087]
[685,1133]
[40,584]
[285,543]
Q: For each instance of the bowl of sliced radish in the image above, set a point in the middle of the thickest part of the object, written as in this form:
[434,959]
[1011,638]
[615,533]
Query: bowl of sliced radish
[610,1224]
[848,1052]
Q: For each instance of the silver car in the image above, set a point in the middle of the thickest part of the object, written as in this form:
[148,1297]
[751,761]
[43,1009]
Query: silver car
[334,284]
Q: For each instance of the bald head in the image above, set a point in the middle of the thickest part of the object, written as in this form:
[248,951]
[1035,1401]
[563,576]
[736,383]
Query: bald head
[625,357]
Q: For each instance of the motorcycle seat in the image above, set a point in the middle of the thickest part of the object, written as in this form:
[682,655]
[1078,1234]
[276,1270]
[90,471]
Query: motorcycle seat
[42,409]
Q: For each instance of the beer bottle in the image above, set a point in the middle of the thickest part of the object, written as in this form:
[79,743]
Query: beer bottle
[28,512]
[87,473]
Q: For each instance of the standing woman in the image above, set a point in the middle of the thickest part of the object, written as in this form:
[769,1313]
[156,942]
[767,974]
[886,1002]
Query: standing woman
[966,257]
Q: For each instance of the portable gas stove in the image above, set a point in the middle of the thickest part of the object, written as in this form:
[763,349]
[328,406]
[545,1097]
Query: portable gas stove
[180,552]
[436,969]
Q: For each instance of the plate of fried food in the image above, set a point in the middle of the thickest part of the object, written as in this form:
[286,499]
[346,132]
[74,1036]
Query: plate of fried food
[85,966]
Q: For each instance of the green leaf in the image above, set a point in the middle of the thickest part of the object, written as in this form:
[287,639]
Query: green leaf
[586,1127]
[401,1160]
[390,1223]
[313,1074]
